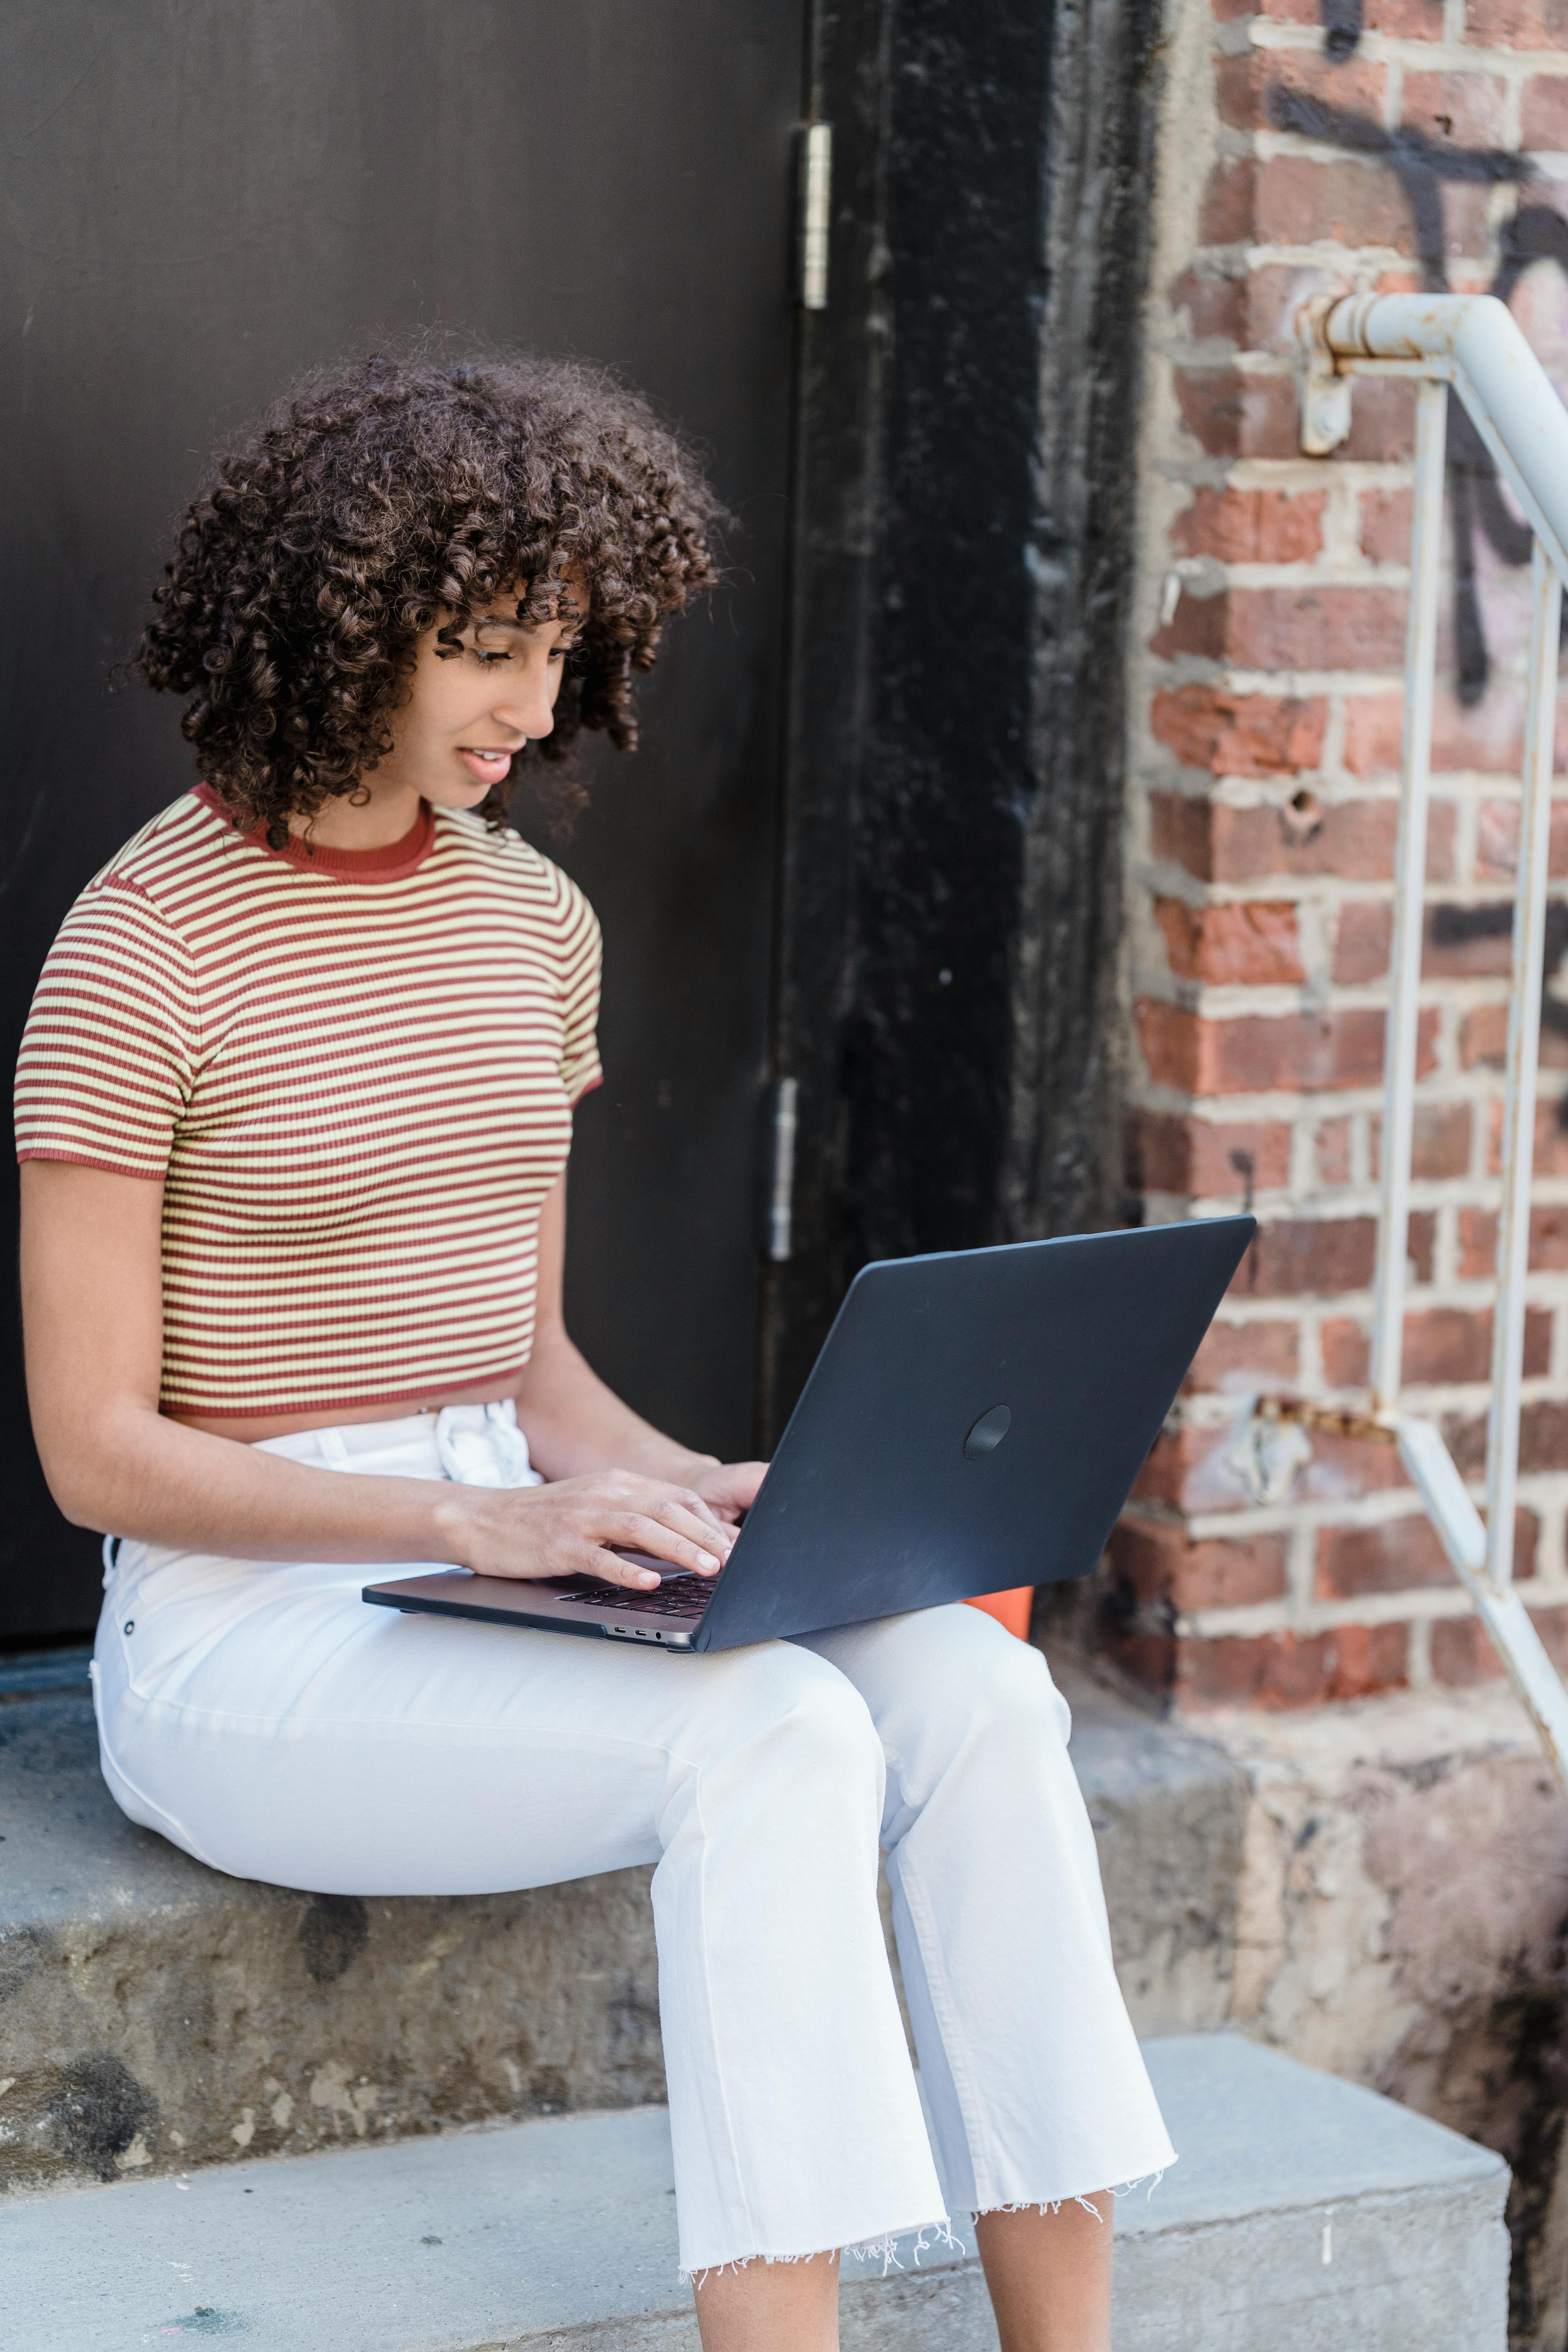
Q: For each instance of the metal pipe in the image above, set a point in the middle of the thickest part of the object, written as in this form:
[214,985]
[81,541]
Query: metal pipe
[1524,1050]
[1502,384]
[1409,903]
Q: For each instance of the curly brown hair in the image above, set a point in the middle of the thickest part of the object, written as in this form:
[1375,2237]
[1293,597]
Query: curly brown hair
[375,502]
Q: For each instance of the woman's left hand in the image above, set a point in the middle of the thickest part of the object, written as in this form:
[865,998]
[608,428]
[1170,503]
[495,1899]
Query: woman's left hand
[729,1488]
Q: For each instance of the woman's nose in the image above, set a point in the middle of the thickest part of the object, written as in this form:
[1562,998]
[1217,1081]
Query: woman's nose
[525,715]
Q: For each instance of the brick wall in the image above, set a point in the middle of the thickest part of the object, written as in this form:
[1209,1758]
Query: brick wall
[1266,710]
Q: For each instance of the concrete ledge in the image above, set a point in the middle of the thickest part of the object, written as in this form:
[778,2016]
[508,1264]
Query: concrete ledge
[155,2015]
[1306,2215]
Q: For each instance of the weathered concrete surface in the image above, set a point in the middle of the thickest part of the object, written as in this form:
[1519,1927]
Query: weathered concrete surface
[1404,1922]
[1169,1812]
[557,2234]
[156,2015]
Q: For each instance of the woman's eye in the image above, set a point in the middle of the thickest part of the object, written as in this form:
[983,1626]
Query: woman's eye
[480,655]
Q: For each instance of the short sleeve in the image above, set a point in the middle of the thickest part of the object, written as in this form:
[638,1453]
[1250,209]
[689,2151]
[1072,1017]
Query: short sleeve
[581,955]
[110,1049]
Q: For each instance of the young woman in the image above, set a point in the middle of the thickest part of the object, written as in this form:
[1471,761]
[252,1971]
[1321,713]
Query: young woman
[294,1105]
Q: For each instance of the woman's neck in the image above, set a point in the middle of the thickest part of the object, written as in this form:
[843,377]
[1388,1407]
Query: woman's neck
[380,811]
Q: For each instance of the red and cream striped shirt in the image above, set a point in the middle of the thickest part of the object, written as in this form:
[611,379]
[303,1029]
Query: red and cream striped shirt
[354,1073]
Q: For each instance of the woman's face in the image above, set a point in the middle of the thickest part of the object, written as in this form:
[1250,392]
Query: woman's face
[466,713]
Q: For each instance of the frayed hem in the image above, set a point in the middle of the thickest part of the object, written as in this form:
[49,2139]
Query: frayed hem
[1054,2204]
[929,2235]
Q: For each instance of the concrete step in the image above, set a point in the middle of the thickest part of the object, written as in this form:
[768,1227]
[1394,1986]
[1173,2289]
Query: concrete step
[1305,2215]
[157,2016]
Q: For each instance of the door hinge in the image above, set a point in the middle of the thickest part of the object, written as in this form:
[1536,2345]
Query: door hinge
[778,1198]
[816,212]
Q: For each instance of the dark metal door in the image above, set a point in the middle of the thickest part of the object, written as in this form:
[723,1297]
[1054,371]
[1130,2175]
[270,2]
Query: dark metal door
[203,199]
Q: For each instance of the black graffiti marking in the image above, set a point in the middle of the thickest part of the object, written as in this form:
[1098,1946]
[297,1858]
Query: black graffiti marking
[1453,927]
[1341,27]
[1535,233]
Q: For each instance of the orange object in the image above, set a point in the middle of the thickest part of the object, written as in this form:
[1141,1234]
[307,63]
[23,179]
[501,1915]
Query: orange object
[1009,1609]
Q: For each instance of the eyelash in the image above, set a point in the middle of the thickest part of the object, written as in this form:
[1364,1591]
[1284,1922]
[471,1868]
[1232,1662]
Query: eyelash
[557,653]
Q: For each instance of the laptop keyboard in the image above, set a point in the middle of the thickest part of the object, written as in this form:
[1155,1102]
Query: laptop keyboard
[678,1596]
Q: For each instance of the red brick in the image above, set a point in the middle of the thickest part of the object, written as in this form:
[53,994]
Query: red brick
[1226,214]
[1477,1242]
[1421,1241]
[1550,1157]
[1406,20]
[1166,1153]
[1383,422]
[1517,24]
[1440,1144]
[1255,1053]
[1352,840]
[1483,1041]
[1544,118]
[1319,628]
[1294,1257]
[1462,1654]
[1467,943]
[1341,1468]
[1275,295]
[1199,626]
[1442,1345]
[1159,1563]
[1240,734]
[1459,942]
[1465,110]
[1386,526]
[1477,1245]
[1230,414]
[1286,1670]
[1362,939]
[1397,1554]
[1216,306]
[1349,202]
[1372,723]
[1543,1436]
[1252,525]
[1497,841]
[1188,1467]
[1232,947]
[1332,1151]
[1245,84]
[1181,829]
[1238,1359]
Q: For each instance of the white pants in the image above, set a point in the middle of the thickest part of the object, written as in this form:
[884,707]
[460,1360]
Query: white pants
[262,1717]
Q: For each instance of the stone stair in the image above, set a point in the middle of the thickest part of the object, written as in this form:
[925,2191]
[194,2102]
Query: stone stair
[1305,2216]
[163,2028]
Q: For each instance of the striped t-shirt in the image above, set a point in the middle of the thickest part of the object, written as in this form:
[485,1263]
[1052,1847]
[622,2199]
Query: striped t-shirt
[353,1071]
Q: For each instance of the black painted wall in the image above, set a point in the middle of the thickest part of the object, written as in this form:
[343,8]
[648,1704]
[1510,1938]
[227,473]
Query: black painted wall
[203,200]
[964,485]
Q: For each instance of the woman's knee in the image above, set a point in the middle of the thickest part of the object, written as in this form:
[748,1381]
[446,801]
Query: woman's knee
[966,1669]
[794,1722]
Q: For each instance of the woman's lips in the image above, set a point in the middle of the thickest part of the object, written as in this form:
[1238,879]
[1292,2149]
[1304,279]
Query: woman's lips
[485,767]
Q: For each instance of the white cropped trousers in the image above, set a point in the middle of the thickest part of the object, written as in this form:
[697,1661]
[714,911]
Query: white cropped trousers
[261,1717]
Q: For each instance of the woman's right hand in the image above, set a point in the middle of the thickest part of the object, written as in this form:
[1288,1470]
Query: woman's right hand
[566,1528]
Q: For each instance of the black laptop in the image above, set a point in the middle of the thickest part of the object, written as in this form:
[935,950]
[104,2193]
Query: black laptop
[974,1422]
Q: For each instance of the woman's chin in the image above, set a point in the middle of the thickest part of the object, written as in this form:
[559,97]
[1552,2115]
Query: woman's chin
[456,792]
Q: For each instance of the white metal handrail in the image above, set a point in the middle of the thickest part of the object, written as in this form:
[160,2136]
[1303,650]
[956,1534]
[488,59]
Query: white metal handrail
[1472,343]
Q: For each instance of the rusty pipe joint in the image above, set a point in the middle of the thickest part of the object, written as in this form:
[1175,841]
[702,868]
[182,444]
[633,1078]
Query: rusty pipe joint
[1325,393]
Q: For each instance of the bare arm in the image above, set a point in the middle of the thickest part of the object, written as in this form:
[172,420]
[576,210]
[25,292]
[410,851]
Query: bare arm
[92,1315]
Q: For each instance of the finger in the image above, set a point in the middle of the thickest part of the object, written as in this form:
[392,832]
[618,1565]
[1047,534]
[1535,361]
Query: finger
[610,1568]
[652,1494]
[641,1531]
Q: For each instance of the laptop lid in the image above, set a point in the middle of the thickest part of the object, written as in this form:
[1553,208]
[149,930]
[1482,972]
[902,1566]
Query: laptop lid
[974,1421]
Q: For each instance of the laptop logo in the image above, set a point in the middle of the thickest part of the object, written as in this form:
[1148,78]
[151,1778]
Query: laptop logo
[988,1433]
